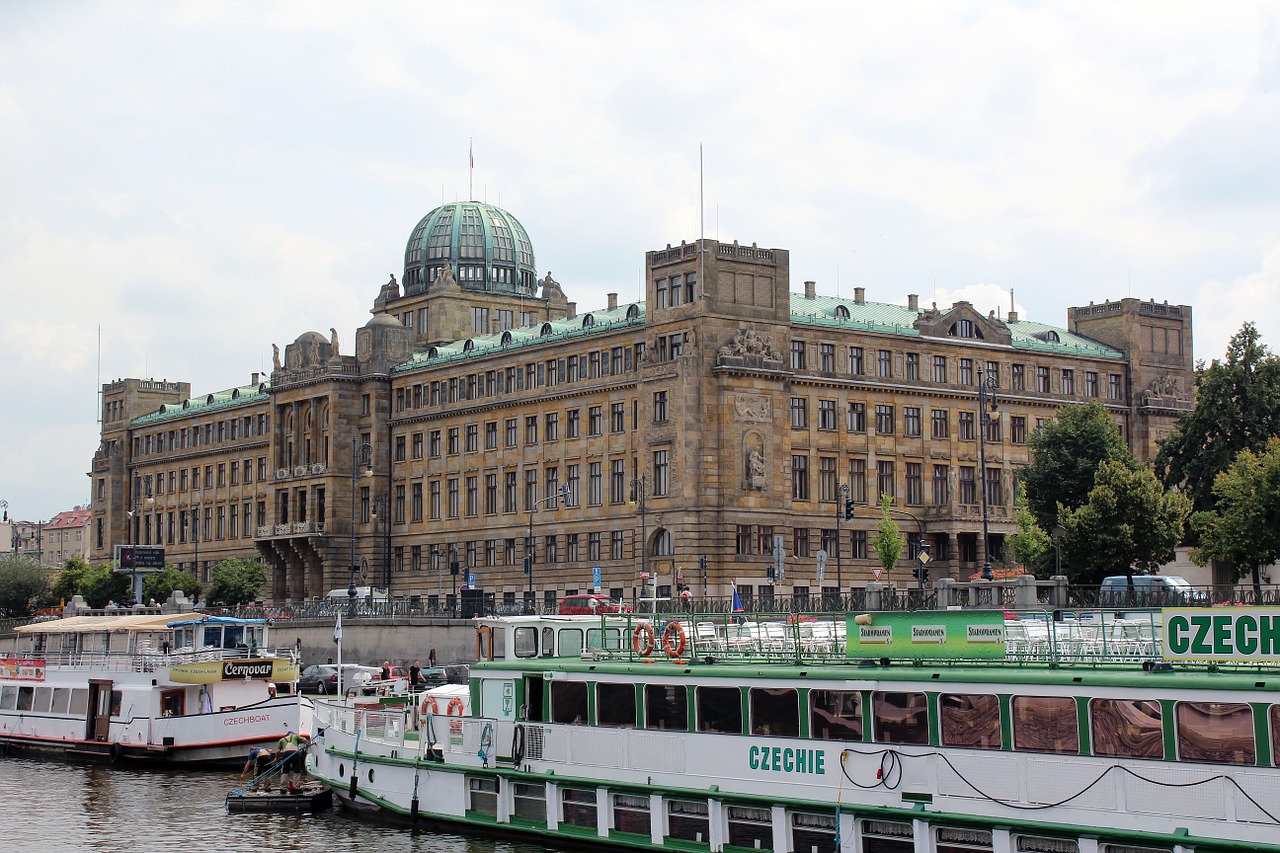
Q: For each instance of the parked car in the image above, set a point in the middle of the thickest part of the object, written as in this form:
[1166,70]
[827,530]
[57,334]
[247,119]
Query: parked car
[591,604]
[322,678]
[1148,591]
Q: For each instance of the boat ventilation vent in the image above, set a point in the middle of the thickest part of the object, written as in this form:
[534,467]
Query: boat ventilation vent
[535,742]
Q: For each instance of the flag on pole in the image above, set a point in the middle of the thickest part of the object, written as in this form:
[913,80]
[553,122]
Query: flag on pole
[737,602]
[337,630]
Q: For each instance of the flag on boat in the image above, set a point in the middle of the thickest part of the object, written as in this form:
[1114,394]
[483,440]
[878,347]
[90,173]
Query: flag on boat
[337,630]
[737,602]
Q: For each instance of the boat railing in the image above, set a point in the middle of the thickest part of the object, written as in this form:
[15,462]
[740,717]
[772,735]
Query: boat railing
[144,660]
[1076,638]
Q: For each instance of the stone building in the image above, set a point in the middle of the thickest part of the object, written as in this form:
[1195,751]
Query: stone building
[484,426]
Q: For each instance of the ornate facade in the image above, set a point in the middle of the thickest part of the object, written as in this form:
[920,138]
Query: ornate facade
[678,439]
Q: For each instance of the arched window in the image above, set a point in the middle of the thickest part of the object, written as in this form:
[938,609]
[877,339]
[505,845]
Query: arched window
[506,338]
[588,320]
[468,345]
[842,312]
[546,330]
[663,544]
[633,311]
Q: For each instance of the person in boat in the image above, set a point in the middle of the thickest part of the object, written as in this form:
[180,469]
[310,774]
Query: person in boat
[386,670]
[292,750]
[260,760]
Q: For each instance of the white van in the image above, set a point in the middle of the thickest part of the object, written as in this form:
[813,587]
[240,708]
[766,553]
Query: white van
[363,594]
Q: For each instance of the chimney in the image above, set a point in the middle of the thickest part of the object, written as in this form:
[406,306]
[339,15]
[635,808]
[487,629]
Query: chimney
[573,310]
[1012,317]
[859,295]
[613,301]
[810,289]
[254,381]
[913,301]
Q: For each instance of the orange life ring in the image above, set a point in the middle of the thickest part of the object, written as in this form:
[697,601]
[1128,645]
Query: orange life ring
[642,639]
[455,707]
[674,640]
[429,705]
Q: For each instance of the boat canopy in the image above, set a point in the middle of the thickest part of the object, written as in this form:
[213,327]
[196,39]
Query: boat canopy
[132,624]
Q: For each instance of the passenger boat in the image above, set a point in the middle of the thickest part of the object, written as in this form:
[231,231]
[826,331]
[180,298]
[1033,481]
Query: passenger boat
[166,688]
[927,732]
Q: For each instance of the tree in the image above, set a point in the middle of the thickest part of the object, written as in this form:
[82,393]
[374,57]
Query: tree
[160,585]
[69,580]
[236,581]
[1065,455]
[1244,530]
[1030,545]
[888,541]
[100,586]
[1237,407]
[23,582]
[1129,525]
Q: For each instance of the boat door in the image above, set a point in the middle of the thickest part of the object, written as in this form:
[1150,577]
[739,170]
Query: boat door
[533,692]
[98,721]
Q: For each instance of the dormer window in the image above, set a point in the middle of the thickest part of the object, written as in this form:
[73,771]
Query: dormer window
[964,329]
[842,313]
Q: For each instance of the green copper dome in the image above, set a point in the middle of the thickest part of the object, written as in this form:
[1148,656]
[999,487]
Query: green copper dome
[487,247]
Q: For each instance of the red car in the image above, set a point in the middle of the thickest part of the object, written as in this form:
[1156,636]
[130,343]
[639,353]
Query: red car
[576,605]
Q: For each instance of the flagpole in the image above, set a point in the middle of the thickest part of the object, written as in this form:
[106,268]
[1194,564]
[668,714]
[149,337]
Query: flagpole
[471,172]
[337,638]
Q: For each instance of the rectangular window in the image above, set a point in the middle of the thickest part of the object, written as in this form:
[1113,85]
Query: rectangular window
[899,717]
[858,544]
[617,481]
[968,485]
[884,364]
[941,489]
[827,358]
[1019,380]
[659,407]
[939,425]
[965,428]
[827,476]
[797,355]
[1018,429]
[510,430]
[1091,383]
[827,414]
[1042,380]
[453,441]
[966,371]
[884,420]
[911,421]
[857,366]
[915,483]
[857,417]
[491,435]
[884,478]
[473,438]
[1114,388]
[573,423]
[617,417]
[939,368]
[913,366]
[531,429]
[799,413]
[799,478]
[1068,381]
[661,474]
[970,720]
[552,426]
[858,480]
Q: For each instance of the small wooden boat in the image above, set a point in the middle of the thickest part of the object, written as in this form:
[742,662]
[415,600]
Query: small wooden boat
[308,797]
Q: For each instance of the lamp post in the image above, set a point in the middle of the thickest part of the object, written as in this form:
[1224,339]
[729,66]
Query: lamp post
[987,386]
[639,486]
[453,570]
[435,558]
[844,510]
[360,452]
[530,546]
[382,517]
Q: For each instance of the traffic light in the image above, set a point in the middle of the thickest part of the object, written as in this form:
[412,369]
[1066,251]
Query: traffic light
[922,574]
[453,567]
[848,509]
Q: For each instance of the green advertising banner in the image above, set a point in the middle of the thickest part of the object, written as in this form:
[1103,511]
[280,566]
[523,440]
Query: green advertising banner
[927,635]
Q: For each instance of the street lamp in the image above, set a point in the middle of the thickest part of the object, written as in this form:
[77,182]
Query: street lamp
[530,546]
[987,386]
[453,570]
[360,452]
[639,486]
[382,517]
[844,511]
[435,558]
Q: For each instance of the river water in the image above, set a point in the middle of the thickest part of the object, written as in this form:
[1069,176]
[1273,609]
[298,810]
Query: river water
[56,807]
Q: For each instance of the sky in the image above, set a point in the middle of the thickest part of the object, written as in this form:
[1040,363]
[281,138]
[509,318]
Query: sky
[183,184]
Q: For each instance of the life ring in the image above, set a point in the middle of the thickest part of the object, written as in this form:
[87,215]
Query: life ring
[642,639]
[429,705]
[115,752]
[674,640]
[455,707]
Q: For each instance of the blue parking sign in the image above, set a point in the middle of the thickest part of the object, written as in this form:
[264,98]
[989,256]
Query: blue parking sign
[471,579]
[595,576]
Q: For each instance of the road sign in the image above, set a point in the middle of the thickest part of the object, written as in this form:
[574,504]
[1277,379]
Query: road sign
[595,578]
[779,555]
[822,565]
[471,579]
[875,573]
[140,558]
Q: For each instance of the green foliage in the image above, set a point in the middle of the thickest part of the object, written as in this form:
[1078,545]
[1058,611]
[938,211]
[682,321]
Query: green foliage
[69,580]
[1065,455]
[160,586]
[888,541]
[1030,545]
[1237,408]
[236,581]
[1129,524]
[101,586]
[1244,530]
[23,583]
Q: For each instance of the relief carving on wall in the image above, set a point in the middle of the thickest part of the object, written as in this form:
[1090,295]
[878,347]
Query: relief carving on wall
[1164,388]
[753,407]
[748,343]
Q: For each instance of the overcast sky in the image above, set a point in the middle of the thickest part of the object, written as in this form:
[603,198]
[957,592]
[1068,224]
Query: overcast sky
[202,179]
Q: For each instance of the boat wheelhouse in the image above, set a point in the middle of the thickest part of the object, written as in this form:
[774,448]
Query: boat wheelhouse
[147,686]
[878,733]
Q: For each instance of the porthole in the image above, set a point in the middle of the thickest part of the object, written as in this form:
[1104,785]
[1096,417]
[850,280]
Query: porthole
[342,771]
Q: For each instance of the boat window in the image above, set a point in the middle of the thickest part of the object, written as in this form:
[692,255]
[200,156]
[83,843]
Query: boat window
[1045,724]
[775,711]
[116,698]
[79,701]
[835,714]
[665,707]
[750,827]
[26,696]
[43,697]
[1275,735]
[631,814]
[484,795]
[813,832]
[720,710]
[8,697]
[887,836]
[1126,728]
[526,638]
[1129,848]
[955,840]
[609,640]
[971,720]
[548,642]
[1221,732]
[498,644]
[616,705]
[569,642]
[900,717]
[1040,844]
[579,806]
[688,821]
[61,700]
[529,801]
[569,702]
